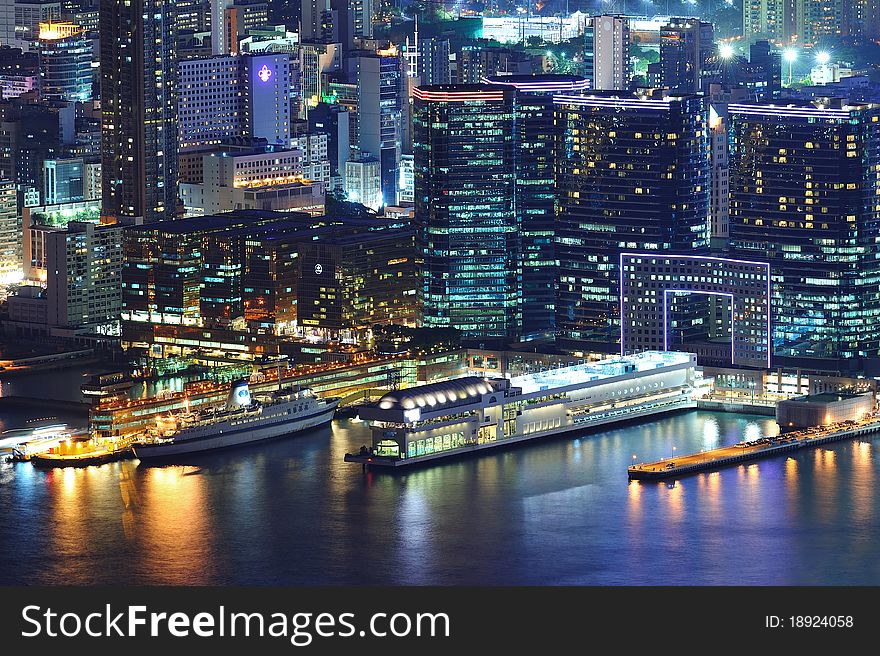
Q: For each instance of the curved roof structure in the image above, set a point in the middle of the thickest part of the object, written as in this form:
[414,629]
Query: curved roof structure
[435,396]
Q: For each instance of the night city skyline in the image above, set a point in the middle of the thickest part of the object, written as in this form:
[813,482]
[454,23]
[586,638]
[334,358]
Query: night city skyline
[406,293]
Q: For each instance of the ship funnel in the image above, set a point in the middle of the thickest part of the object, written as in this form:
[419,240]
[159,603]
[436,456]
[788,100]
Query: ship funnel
[239,395]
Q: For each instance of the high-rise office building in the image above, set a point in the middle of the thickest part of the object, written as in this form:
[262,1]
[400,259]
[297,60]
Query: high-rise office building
[10,233]
[477,62]
[632,174]
[535,135]
[30,13]
[379,102]
[311,19]
[139,109]
[234,96]
[465,216]
[433,61]
[65,62]
[804,179]
[685,45]
[611,45]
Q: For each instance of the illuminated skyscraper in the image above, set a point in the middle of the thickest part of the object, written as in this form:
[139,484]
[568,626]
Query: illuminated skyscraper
[466,225]
[229,96]
[65,62]
[535,135]
[632,174]
[139,109]
[804,180]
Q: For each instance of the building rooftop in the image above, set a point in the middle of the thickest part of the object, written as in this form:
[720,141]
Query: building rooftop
[437,396]
[582,373]
[827,397]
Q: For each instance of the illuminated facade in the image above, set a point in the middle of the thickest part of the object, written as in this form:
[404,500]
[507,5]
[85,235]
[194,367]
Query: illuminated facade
[716,307]
[245,282]
[465,216]
[804,179]
[611,46]
[534,147]
[235,96]
[139,109]
[10,233]
[632,174]
[65,62]
[353,278]
[472,414]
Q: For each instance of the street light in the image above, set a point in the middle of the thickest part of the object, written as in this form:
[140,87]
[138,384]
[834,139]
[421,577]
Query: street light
[725,50]
[790,55]
[823,57]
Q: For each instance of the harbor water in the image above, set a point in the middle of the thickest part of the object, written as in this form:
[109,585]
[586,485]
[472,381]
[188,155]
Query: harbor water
[557,512]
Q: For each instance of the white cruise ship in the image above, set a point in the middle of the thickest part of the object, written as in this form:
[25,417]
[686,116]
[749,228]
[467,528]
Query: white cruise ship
[243,420]
[470,414]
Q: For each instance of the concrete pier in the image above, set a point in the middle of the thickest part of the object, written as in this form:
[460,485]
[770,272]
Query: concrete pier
[762,448]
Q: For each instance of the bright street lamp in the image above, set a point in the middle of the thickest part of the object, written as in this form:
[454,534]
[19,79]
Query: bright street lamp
[823,57]
[725,50]
[790,55]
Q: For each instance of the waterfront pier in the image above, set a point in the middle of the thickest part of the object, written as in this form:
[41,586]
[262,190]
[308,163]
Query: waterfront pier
[764,447]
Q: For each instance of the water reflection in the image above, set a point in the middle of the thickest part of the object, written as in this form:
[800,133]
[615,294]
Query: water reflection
[562,511]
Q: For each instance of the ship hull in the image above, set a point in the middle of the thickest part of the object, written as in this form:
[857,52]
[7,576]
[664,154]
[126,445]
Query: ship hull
[232,438]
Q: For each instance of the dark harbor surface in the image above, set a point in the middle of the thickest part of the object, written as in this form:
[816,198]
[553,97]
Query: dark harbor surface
[557,512]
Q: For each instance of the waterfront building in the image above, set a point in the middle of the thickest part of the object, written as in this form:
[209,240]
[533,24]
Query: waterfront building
[235,283]
[632,175]
[82,263]
[715,307]
[535,136]
[471,414]
[611,46]
[351,281]
[139,109]
[465,215]
[227,97]
[803,183]
[65,62]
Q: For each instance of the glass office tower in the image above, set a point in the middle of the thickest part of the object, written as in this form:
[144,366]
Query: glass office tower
[534,155]
[804,179]
[632,173]
[465,219]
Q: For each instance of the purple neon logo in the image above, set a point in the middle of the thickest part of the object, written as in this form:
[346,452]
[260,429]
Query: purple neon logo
[264,73]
